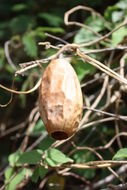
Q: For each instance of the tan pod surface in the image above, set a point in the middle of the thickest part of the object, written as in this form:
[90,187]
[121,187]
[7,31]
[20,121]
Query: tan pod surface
[60,99]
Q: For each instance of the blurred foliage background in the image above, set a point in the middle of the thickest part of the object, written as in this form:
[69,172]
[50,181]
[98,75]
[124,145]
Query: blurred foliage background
[23,24]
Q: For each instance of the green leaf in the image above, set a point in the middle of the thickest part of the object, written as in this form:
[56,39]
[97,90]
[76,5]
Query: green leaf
[96,23]
[13,158]
[84,35]
[118,36]
[19,7]
[49,52]
[35,175]
[21,24]
[30,45]
[46,143]
[9,68]
[31,157]
[16,180]
[50,29]
[40,31]
[52,19]
[2,58]
[38,128]
[22,96]
[8,173]
[117,16]
[50,162]
[122,4]
[83,156]
[116,12]
[38,172]
[109,11]
[42,172]
[57,156]
[89,173]
[82,69]
[121,154]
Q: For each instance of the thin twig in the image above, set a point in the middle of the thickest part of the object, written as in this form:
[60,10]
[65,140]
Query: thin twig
[22,92]
[32,146]
[109,178]
[107,113]
[101,66]
[13,129]
[33,116]
[6,48]
[96,102]
[68,13]
[111,141]
[96,122]
[105,36]
[98,155]
[106,49]
[56,38]
[117,130]
[98,164]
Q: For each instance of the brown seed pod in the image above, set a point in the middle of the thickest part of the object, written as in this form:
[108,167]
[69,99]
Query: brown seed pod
[60,99]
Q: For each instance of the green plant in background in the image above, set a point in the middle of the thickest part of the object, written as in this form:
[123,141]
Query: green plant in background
[52,157]
[83,156]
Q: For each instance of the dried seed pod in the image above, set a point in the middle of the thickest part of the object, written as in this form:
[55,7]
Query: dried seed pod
[60,99]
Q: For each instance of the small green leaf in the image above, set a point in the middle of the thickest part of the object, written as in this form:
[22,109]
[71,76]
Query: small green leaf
[50,162]
[20,24]
[38,128]
[19,7]
[83,156]
[89,174]
[38,172]
[117,16]
[13,158]
[30,45]
[52,19]
[8,173]
[83,36]
[82,69]
[57,156]
[50,29]
[109,11]
[46,143]
[96,23]
[49,52]
[2,57]
[9,68]
[31,157]
[121,154]
[118,36]
[122,4]
[42,171]
[22,96]
[16,180]
[35,175]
